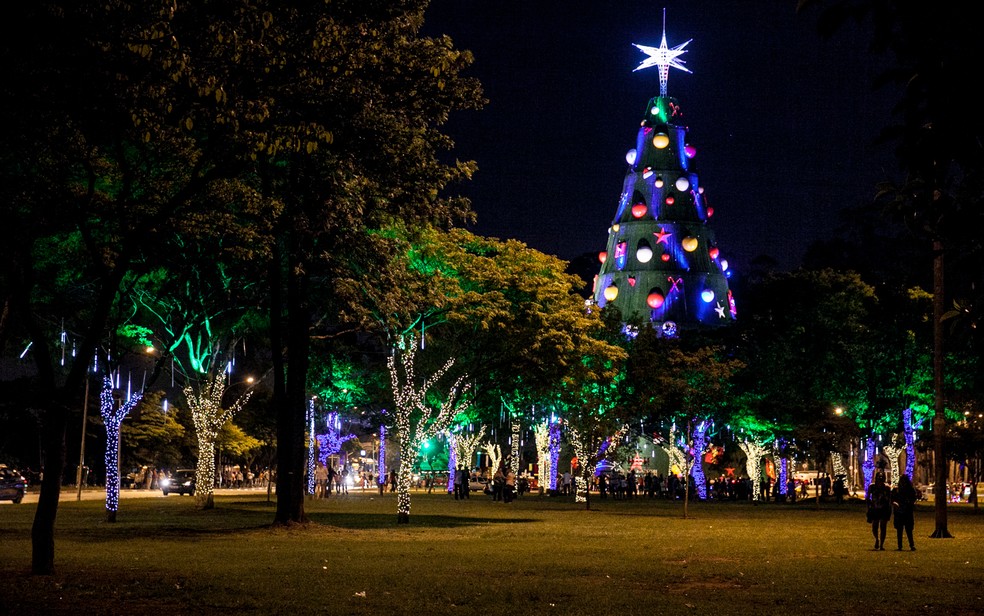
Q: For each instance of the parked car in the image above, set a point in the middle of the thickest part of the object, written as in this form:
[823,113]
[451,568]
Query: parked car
[181,482]
[12,484]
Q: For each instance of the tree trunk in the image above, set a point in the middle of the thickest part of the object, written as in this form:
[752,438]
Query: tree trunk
[205,471]
[586,484]
[403,484]
[43,529]
[291,403]
[939,420]
[112,470]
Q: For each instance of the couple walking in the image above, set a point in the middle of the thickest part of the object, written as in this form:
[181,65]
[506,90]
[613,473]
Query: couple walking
[884,503]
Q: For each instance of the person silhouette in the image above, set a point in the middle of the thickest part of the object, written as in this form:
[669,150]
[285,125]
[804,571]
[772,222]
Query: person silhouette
[879,508]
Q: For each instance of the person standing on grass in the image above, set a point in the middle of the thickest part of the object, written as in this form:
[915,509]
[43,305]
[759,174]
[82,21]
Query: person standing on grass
[498,484]
[879,508]
[344,484]
[509,492]
[320,480]
[332,477]
[904,504]
[460,483]
[839,490]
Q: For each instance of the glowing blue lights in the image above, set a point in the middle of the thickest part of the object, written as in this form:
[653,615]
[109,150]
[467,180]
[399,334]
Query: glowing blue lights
[697,471]
[381,462]
[554,450]
[112,418]
[331,441]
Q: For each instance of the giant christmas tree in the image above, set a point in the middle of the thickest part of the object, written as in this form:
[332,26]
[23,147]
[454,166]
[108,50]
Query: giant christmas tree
[662,265]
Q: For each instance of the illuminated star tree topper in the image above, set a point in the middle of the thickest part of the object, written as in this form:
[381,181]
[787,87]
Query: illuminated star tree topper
[664,57]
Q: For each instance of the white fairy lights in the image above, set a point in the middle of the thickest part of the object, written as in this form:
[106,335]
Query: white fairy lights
[416,421]
[209,417]
[754,452]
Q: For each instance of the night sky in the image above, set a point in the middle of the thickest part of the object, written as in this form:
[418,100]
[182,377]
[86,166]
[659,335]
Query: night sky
[784,122]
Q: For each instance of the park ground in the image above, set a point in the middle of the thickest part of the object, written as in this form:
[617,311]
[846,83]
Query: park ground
[535,555]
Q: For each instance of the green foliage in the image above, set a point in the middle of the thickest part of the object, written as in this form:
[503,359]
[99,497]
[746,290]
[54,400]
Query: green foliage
[233,441]
[152,437]
[512,312]
[808,343]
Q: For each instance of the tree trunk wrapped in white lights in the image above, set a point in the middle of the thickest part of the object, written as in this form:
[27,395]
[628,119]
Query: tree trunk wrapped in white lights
[417,422]
[589,453]
[112,418]
[542,435]
[467,445]
[494,452]
[838,461]
[893,452]
[209,417]
[754,453]
[514,457]
[674,454]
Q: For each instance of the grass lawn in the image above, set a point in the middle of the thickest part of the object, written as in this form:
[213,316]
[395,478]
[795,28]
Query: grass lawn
[536,555]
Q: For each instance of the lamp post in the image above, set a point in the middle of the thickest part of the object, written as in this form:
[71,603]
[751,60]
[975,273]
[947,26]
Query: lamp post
[85,419]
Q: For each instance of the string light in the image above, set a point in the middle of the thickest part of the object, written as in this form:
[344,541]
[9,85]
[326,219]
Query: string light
[331,441]
[892,452]
[779,445]
[381,463]
[514,461]
[309,419]
[838,461]
[673,453]
[494,452]
[452,461]
[554,450]
[697,469]
[589,463]
[112,419]
[868,466]
[467,445]
[416,421]
[541,436]
[208,417]
[909,431]
[754,451]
